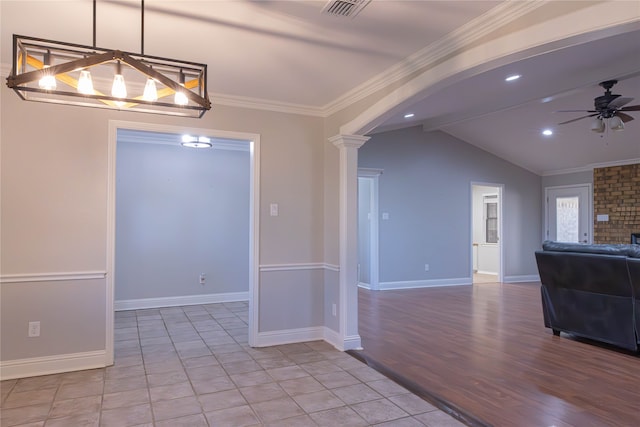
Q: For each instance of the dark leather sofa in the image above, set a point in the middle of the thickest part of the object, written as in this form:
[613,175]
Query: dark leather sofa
[592,291]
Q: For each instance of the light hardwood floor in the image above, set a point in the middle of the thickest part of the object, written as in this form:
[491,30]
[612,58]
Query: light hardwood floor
[485,350]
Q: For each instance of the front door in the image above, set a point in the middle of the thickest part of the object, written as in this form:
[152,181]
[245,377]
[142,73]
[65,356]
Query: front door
[569,214]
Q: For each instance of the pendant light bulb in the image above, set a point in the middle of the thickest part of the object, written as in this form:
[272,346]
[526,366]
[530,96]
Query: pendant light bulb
[48,81]
[119,89]
[181,98]
[85,84]
[150,93]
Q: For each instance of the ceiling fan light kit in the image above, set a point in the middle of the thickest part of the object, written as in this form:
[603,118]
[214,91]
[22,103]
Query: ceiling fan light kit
[616,123]
[72,74]
[597,125]
[609,107]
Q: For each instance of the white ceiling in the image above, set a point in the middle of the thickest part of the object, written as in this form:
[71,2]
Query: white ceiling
[289,54]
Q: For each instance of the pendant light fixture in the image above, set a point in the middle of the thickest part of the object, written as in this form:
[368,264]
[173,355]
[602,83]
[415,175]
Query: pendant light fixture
[66,73]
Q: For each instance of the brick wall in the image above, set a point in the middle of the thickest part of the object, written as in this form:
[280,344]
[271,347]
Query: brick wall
[616,192]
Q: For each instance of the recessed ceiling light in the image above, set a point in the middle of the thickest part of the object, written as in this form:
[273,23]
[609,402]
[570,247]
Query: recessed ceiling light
[408,115]
[547,132]
[512,78]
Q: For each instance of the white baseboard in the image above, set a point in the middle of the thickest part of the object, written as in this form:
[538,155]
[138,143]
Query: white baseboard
[22,368]
[352,342]
[364,285]
[523,278]
[410,284]
[289,336]
[137,304]
[293,267]
[487,272]
[333,338]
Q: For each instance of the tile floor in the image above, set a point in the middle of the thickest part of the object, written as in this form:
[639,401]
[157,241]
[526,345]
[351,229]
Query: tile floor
[191,366]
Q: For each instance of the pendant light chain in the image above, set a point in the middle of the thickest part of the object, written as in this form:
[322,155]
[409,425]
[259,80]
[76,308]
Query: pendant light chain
[142,28]
[94,23]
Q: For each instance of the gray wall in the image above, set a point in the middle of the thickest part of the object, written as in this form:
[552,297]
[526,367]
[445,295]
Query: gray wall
[301,305]
[573,178]
[180,212]
[63,329]
[426,189]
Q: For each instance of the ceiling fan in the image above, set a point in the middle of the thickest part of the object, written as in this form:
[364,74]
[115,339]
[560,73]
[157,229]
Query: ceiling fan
[607,106]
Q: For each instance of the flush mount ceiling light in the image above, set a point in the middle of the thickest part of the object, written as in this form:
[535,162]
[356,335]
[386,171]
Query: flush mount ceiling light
[196,141]
[409,115]
[512,78]
[72,74]
[547,132]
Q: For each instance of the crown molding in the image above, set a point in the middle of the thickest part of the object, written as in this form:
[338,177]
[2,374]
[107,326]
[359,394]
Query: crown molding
[591,167]
[264,104]
[456,40]
[174,140]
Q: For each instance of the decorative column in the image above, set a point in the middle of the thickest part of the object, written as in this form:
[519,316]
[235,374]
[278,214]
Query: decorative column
[348,146]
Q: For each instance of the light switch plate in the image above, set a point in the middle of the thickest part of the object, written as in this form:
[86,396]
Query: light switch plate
[274,209]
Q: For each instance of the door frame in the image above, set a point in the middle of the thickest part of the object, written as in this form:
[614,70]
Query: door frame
[589,186]
[501,231]
[374,226]
[254,217]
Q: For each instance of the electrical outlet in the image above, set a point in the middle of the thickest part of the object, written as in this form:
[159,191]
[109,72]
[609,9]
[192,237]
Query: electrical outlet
[34,329]
[334,310]
[202,278]
[426,267]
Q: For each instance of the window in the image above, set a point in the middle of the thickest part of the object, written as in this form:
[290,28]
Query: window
[491,218]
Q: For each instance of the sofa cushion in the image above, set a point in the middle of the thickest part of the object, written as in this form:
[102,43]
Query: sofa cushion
[634,251]
[604,249]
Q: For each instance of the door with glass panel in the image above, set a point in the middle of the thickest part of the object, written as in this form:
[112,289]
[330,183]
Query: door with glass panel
[568,216]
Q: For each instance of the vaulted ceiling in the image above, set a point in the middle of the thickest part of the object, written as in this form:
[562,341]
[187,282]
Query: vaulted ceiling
[293,56]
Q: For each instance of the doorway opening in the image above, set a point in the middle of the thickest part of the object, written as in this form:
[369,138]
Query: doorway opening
[368,228]
[568,213]
[486,230]
[180,220]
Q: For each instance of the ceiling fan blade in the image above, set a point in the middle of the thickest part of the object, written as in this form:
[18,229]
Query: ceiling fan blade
[618,102]
[630,108]
[624,117]
[579,118]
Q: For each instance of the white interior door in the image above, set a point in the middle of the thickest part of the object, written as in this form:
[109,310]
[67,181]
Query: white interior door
[569,214]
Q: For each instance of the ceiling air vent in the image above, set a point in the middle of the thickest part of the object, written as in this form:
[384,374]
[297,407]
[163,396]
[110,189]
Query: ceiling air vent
[347,8]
